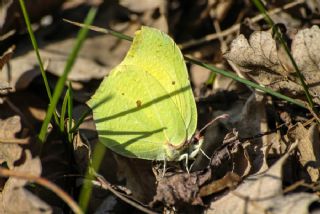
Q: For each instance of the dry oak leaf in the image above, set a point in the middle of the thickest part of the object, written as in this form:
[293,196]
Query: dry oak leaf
[259,60]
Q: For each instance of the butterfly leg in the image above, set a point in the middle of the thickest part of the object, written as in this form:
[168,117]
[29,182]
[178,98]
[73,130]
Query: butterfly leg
[186,157]
[187,163]
[164,167]
[204,154]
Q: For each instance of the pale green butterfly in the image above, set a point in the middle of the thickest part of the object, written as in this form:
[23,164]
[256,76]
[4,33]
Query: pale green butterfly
[151,111]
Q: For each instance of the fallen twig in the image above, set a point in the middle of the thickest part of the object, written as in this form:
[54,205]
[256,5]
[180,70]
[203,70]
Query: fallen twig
[45,183]
[106,185]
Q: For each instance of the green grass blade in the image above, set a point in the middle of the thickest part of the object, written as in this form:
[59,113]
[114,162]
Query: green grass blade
[97,156]
[279,36]
[60,85]
[63,111]
[70,111]
[80,121]
[244,81]
[102,30]
[86,113]
[36,49]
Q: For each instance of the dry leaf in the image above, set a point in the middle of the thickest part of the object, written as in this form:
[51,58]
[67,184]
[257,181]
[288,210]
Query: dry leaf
[258,59]
[9,152]
[15,198]
[250,119]
[6,56]
[261,193]
[314,6]
[138,176]
[180,189]
[306,52]
[230,180]
[308,147]
[251,122]
[4,15]
[257,56]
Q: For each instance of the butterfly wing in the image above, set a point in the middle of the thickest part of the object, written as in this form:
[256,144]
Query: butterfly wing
[158,54]
[150,111]
[139,119]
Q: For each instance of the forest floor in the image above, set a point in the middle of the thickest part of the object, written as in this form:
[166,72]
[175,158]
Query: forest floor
[263,158]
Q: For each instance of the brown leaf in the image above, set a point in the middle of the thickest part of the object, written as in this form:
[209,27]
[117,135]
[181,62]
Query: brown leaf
[6,56]
[9,152]
[230,180]
[263,192]
[314,6]
[15,198]
[231,156]
[306,52]
[249,119]
[259,59]
[138,176]
[180,189]
[257,56]
[253,121]
[308,147]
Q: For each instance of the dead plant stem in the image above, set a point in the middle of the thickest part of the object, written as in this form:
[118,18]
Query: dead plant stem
[108,186]
[45,183]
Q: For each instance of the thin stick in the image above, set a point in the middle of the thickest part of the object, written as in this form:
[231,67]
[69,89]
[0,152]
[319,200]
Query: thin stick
[6,88]
[236,27]
[45,183]
[101,30]
[15,141]
[108,186]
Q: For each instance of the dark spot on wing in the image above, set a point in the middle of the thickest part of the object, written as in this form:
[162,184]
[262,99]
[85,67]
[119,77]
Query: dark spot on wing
[139,103]
[122,94]
[173,82]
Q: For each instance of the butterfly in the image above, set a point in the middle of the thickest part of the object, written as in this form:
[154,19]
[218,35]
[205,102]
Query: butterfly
[150,112]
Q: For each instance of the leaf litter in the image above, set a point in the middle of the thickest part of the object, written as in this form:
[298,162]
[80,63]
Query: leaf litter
[264,158]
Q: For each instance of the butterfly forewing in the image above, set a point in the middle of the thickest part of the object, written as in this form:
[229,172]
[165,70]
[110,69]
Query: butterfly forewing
[159,55]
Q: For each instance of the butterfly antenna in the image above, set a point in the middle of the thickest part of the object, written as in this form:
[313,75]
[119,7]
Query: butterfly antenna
[223,116]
